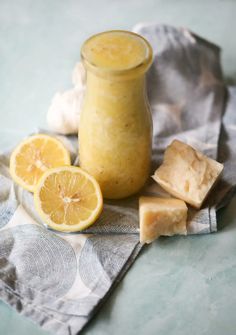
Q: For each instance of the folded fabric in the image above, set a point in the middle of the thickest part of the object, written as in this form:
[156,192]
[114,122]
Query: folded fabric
[60,280]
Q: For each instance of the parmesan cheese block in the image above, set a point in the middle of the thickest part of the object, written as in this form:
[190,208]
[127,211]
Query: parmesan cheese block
[187,174]
[161,216]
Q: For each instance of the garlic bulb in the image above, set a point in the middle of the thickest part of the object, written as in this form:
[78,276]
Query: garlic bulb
[79,76]
[63,113]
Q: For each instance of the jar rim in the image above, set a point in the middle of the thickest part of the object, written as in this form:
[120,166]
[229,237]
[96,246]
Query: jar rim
[137,68]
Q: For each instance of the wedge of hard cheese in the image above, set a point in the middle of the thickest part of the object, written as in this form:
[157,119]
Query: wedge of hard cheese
[187,174]
[161,216]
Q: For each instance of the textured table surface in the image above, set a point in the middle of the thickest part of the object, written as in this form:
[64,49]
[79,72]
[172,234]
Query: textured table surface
[178,285]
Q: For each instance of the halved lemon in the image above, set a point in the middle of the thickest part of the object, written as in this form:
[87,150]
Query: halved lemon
[35,155]
[68,199]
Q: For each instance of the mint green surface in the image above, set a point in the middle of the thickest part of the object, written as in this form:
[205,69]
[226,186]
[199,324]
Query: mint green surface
[178,285]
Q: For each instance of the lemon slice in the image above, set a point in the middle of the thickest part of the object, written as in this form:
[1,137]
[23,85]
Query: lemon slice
[68,199]
[35,155]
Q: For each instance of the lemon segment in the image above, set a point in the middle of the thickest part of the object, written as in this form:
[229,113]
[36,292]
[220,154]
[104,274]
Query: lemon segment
[68,199]
[35,155]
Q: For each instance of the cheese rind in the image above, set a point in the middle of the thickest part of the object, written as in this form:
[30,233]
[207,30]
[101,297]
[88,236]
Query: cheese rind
[187,174]
[161,217]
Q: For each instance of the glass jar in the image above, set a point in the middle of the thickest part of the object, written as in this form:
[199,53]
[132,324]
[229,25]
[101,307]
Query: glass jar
[115,129]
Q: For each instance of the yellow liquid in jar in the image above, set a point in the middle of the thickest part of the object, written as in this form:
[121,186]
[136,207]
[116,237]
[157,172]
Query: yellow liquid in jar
[115,130]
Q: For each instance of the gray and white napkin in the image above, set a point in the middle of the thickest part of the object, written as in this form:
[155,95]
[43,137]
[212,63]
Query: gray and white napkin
[60,280]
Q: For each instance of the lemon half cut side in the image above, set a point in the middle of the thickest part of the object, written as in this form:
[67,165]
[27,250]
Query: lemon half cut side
[35,155]
[68,199]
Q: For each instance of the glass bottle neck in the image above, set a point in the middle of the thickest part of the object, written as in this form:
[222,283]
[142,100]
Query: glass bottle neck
[97,85]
